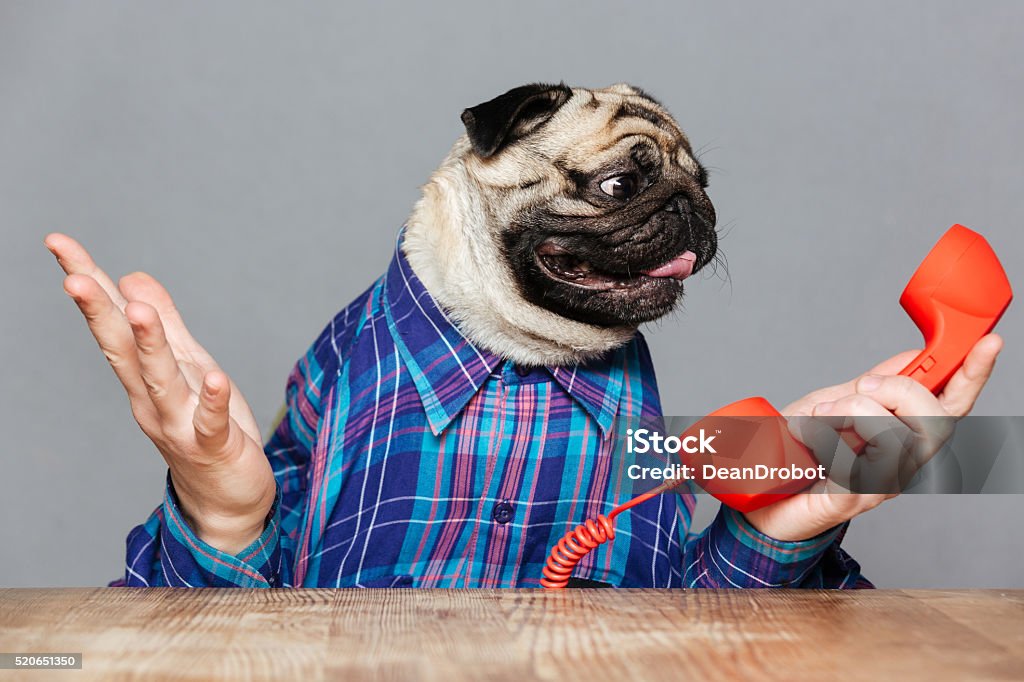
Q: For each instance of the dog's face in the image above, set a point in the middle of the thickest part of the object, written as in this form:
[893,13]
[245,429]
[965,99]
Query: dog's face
[596,200]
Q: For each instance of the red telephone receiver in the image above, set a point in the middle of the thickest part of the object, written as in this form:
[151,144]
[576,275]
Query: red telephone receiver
[955,297]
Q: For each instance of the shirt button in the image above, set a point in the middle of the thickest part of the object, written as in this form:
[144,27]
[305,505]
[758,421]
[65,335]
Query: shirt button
[502,512]
[523,370]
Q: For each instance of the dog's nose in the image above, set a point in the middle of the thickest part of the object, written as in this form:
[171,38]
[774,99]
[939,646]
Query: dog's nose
[677,204]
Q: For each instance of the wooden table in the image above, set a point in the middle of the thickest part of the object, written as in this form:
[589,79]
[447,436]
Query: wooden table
[517,634]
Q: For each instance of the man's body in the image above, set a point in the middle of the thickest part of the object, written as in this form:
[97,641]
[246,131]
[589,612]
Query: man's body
[411,454]
[410,457]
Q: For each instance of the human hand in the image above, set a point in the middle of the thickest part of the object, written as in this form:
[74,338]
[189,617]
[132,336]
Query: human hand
[865,410]
[179,396]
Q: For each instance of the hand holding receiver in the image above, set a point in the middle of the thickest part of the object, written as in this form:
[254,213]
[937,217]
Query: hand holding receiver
[858,412]
[180,398]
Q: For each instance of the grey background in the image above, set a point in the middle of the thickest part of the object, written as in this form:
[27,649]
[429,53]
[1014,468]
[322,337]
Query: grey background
[259,158]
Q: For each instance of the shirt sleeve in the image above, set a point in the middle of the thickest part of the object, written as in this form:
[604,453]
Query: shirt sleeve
[732,553]
[164,551]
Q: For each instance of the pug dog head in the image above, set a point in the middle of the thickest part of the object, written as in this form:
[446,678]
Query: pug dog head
[562,220]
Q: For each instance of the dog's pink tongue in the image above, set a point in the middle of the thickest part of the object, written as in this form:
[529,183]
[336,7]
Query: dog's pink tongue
[679,267]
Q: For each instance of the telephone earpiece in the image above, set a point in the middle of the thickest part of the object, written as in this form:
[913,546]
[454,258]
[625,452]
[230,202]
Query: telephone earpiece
[955,297]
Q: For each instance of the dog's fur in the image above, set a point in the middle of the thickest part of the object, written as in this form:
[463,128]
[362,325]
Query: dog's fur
[528,170]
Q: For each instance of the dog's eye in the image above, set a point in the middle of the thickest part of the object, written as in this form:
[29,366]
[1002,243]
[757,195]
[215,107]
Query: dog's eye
[621,186]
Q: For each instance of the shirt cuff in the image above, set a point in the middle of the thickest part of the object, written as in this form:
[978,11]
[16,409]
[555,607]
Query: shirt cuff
[258,565]
[745,557]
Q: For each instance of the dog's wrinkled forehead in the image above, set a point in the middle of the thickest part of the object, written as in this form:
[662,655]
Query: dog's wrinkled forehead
[599,119]
[575,128]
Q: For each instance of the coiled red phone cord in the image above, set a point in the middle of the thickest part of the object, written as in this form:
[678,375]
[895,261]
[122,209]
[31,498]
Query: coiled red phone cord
[582,540]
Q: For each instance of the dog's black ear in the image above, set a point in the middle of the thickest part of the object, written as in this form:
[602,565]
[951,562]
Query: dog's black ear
[508,117]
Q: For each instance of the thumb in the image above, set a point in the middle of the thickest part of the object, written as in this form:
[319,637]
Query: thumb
[211,419]
[893,365]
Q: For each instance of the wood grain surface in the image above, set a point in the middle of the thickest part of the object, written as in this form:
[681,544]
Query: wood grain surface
[453,635]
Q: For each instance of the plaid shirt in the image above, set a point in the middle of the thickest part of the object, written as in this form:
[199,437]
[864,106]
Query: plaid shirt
[408,456]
